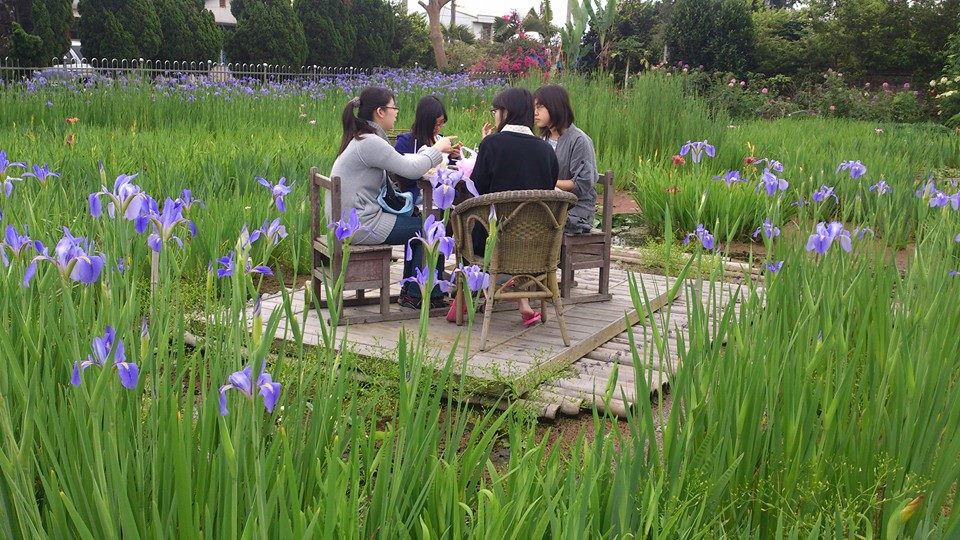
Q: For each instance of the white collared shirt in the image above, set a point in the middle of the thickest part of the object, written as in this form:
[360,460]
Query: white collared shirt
[513,128]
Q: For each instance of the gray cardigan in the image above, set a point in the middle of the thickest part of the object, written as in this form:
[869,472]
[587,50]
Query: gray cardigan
[362,170]
[578,162]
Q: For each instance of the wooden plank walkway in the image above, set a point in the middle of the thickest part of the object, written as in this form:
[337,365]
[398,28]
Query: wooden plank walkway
[532,363]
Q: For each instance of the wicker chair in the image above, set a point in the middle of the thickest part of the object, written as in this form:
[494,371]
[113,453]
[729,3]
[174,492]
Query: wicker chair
[529,235]
[590,250]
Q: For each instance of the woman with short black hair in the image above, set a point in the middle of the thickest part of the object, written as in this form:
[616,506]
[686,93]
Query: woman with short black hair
[575,154]
[511,157]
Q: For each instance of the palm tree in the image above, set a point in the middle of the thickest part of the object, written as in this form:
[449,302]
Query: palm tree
[459,32]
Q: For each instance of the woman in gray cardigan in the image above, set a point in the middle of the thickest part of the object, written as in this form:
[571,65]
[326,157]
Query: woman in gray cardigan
[362,164]
[578,161]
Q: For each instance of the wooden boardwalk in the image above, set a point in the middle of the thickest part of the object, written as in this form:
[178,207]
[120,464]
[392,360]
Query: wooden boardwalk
[532,363]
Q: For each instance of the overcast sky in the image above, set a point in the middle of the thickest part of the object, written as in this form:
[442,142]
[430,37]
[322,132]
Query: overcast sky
[502,7]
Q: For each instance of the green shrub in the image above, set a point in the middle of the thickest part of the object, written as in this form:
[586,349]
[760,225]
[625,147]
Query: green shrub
[717,34]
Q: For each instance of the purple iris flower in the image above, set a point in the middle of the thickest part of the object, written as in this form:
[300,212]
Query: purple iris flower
[242,381]
[939,199]
[731,177]
[103,347]
[8,181]
[855,168]
[444,187]
[278,191]
[881,187]
[422,276]
[767,229]
[126,197]
[954,201]
[821,240]
[956,238]
[774,266]
[928,189]
[6,163]
[953,273]
[16,243]
[823,194]
[771,183]
[434,234]
[228,267]
[702,234]
[8,185]
[273,231]
[477,279]
[697,149]
[775,165]
[164,223]
[860,232]
[42,173]
[187,201]
[72,257]
[346,228]
[227,263]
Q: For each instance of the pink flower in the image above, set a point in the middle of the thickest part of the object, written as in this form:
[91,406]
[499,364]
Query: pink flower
[764,91]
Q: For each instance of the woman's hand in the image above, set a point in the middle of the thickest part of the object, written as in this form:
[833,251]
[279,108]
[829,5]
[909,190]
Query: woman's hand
[455,153]
[488,129]
[444,144]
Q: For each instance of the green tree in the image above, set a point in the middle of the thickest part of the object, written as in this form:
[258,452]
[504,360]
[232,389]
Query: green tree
[120,29]
[411,40]
[61,19]
[189,31]
[26,48]
[268,32]
[884,37]
[330,33]
[33,31]
[637,34]
[786,43]
[717,34]
[374,22]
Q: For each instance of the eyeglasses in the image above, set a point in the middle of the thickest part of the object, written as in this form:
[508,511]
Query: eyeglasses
[389,107]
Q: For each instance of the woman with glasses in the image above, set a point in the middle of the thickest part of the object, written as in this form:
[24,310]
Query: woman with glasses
[578,161]
[511,157]
[428,120]
[364,159]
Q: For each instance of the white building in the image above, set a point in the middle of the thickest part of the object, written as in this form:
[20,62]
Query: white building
[480,25]
[221,12]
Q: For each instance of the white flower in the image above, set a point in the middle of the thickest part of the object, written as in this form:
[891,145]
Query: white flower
[933,83]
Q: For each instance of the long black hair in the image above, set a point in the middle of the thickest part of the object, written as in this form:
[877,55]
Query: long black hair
[518,102]
[556,100]
[429,109]
[355,125]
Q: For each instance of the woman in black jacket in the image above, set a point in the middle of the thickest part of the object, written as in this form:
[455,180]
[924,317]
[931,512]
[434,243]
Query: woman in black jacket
[511,157]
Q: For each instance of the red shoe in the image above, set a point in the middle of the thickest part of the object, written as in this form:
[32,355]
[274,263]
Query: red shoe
[532,319]
[452,312]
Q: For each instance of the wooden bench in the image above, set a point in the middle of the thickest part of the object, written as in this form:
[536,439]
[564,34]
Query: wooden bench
[368,266]
[590,250]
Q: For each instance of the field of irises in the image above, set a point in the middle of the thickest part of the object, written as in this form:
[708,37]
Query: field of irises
[826,406]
